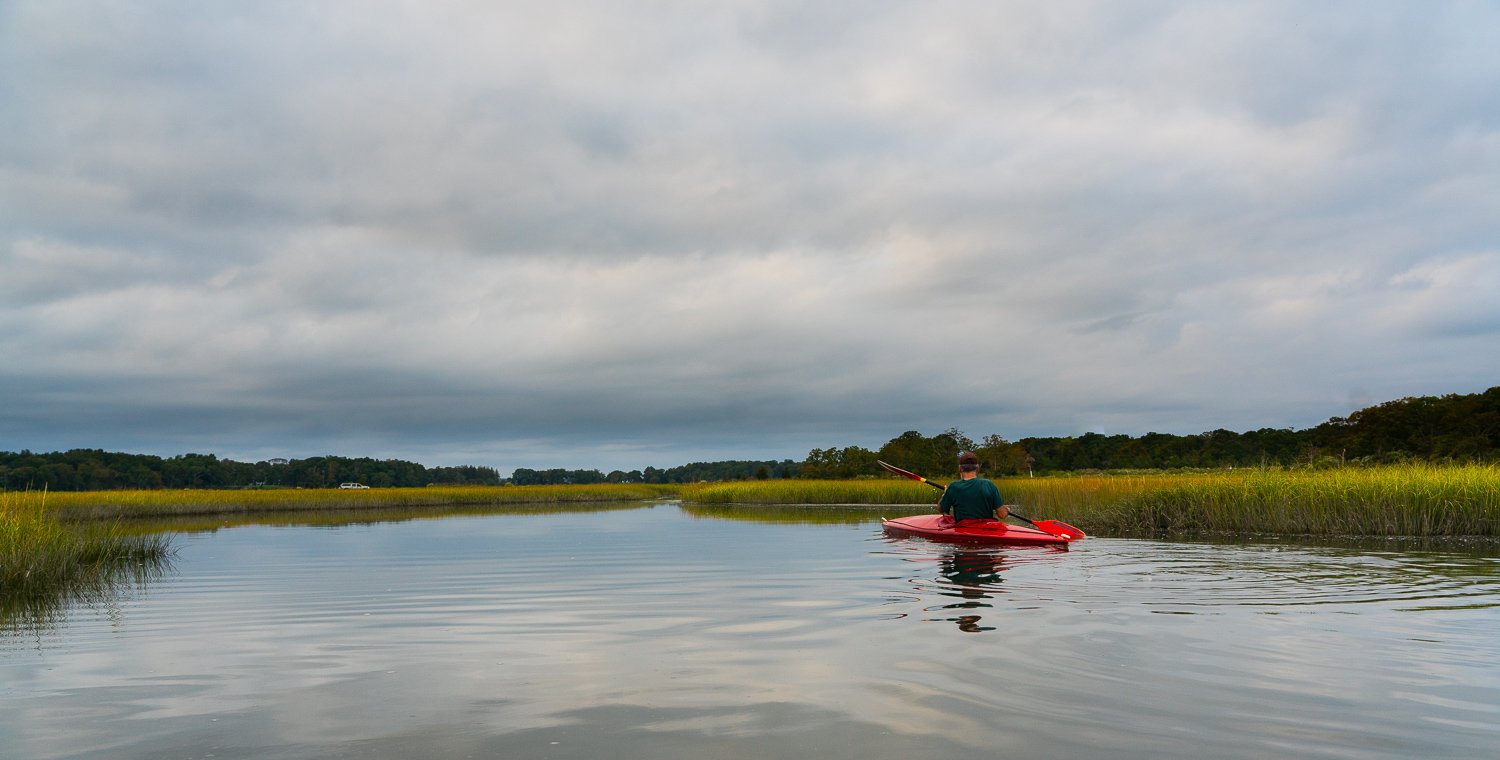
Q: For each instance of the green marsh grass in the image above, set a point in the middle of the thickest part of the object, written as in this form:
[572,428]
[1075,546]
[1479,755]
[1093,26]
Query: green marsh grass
[1404,500]
[1399,500]
[111,504]
[45,561]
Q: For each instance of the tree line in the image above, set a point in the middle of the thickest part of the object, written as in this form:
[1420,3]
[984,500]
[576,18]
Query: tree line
[98,470]
[1451,428]
[688,473]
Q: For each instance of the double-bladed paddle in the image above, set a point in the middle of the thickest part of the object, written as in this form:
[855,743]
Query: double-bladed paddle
[1054,527]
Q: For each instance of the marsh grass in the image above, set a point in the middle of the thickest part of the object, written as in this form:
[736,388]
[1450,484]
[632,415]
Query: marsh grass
[1079,498]
[1402,500]
[45,562]
[85,505]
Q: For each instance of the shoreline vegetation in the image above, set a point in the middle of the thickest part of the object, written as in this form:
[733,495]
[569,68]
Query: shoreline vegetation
[61,546]
[92,505]
[1411,500]
[46,561]
[1387,500]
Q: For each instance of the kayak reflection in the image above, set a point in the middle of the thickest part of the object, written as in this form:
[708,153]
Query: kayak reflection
[972,575]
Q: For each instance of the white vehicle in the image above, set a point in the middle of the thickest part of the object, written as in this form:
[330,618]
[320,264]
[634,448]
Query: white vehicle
[353,485]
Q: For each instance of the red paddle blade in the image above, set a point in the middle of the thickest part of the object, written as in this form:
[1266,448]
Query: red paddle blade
[899,471]
[1059,528]
[905,474]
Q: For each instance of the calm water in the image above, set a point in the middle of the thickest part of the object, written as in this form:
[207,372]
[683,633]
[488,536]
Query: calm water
[651,633]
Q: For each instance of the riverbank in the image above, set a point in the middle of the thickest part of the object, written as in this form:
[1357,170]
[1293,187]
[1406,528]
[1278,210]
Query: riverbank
[1404,500]
[88,505]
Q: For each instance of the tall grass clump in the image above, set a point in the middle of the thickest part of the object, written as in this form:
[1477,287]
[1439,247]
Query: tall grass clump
[1401,500]
[1081,497]
[38,552]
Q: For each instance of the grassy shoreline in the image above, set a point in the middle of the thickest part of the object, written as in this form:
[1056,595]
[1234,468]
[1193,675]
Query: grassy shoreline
[1400,500]
[1406,500]
[39,552]
[87,505]
[79,544]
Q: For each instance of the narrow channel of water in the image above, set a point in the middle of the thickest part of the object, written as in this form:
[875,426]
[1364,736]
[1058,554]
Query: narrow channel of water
[658,633]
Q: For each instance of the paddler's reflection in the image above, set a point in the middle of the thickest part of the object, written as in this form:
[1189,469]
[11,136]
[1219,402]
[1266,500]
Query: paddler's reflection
[974,576]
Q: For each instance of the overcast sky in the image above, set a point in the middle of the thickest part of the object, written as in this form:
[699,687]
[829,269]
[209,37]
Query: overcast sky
[620,234]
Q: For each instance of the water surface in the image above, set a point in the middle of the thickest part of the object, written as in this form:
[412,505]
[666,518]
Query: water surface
[659,633]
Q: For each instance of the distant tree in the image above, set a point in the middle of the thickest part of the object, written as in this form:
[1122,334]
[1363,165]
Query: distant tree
[998,456]
[933,456]
[845,463]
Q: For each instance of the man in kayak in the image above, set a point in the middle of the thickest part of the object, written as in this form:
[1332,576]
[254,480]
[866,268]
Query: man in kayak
[972,497]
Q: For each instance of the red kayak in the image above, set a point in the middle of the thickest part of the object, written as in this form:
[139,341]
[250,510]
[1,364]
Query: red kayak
[942,528]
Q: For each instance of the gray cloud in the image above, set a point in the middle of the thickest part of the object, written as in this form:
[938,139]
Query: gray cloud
[632,234]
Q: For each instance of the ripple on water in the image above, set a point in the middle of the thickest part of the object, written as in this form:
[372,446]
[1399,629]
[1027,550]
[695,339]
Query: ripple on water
[1193,578]
[1311,650]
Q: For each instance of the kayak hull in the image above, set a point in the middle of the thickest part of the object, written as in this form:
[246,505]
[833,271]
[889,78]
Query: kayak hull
[986,532]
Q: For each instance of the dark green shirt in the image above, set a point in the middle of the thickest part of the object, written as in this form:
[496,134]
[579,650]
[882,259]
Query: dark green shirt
[975,499]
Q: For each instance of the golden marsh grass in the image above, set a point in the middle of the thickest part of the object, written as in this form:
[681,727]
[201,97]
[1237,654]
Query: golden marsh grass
[39,552]
[1401,500]
[111,504]
[1404,500]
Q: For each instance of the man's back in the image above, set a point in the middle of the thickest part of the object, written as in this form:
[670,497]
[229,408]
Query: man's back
[973,499]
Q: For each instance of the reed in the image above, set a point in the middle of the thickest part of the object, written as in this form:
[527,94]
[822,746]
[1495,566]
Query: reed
[112,504]
[1080,497]
[1402,500]
[39,552]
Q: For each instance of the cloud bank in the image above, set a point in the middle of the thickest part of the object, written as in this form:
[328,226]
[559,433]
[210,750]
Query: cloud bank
[628,234]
